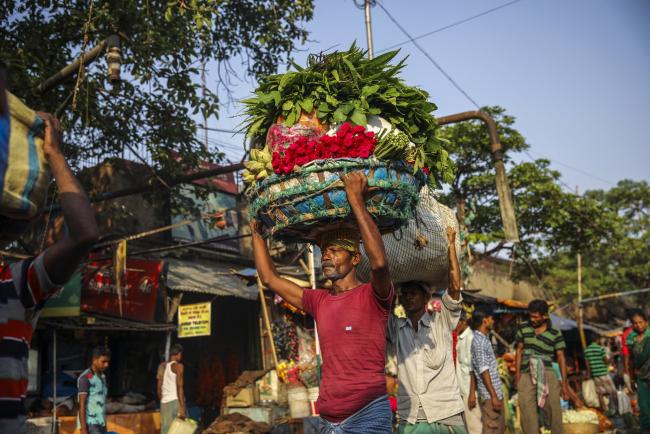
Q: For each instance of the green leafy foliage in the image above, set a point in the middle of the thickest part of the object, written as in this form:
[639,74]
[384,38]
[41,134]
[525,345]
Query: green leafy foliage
[611,229]
[164,44]
[347,86]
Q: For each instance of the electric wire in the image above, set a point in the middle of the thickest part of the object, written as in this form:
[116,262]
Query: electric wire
[449,26]
[428,56]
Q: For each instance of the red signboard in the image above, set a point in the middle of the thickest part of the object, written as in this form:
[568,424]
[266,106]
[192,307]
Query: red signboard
[137,300]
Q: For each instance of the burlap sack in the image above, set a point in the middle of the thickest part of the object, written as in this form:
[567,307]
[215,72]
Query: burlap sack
[419,250]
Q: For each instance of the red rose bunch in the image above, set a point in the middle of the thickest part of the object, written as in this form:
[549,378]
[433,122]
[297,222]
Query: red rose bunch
[349,142]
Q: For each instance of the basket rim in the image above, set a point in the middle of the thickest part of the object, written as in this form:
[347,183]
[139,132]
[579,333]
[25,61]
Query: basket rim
[331,163]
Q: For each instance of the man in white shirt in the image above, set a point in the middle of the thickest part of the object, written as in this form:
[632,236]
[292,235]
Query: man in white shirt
[428,398]
[170,389]
[464,374]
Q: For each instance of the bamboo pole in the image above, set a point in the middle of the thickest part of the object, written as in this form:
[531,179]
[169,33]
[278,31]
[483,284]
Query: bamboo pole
[267,322]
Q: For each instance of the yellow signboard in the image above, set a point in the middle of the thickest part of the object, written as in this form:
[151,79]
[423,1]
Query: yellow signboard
[194,320]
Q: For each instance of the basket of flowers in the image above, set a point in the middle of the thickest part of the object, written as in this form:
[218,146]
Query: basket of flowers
[341,113]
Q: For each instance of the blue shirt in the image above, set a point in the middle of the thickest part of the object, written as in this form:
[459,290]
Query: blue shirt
[483,359]
[94,386]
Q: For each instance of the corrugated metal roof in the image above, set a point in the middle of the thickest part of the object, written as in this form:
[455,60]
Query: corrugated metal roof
[208,277]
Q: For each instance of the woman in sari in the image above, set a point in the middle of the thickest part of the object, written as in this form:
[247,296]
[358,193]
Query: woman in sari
[639,343]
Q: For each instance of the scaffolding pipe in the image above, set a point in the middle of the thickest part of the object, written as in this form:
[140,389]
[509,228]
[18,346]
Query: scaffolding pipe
[508,219]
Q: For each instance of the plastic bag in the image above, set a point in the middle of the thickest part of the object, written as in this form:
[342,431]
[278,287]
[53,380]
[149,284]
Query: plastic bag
[624,403]
[589,394]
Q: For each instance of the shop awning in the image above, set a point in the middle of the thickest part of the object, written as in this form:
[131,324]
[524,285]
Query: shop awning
[91,321]
[208,277]
[565,324]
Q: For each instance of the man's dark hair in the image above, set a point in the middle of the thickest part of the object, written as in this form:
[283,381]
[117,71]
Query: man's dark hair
[414,284]
[101,352]
[478,316]
[176,349]
[538,306]
[635,311]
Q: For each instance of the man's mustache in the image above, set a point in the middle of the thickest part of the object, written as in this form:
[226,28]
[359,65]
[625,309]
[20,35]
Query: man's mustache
[327,264]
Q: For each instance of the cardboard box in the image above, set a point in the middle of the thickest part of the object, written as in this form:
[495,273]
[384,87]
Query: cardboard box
[247,397]
[271,389]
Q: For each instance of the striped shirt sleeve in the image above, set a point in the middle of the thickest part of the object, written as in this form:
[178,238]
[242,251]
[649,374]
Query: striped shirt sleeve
[38,283]
[559,343]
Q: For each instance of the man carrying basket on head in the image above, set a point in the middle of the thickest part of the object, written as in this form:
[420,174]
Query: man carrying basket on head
[351,319]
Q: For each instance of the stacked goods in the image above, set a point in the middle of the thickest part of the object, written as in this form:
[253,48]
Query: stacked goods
[341,113]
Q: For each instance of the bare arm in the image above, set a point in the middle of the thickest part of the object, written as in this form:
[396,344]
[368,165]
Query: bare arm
[588,367]
[454,266]
[180,389]
[471,399]
[562,362]
[518,357]
[62,259]
[269,276]
[496,402]
[83,399]
[356,186]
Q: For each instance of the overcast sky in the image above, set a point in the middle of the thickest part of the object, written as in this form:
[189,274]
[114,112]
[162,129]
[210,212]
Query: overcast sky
[575,74]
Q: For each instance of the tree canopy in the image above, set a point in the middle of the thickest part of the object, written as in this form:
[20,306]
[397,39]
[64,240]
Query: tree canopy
[609,228]
[163,47]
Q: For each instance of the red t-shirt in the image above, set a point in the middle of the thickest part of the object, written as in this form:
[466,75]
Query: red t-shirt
[352,334]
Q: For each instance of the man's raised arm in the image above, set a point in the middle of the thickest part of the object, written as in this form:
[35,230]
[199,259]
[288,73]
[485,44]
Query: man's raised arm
[269,276]
[356,186]
[454,267]
[62,259]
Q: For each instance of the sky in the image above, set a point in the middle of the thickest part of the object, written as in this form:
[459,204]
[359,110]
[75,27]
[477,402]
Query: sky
[575,74]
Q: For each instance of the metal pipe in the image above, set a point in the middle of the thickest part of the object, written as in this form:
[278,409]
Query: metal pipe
[508,219]
[154,186]
[86,58]
[371,52]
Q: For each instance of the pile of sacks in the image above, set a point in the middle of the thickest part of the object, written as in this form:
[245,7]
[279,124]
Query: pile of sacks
[236,422]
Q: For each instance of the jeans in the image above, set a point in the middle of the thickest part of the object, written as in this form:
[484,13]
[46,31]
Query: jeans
[374,418]
[168,412]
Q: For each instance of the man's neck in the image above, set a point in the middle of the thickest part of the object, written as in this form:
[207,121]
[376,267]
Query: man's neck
[95,370]
[415,318]
[541,328]
[484,330]
[345,284]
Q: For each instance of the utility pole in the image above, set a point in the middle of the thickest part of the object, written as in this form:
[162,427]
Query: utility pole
[367,5]
[205,120]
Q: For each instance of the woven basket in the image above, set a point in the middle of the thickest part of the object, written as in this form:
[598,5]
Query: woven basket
[581,428]
[298,206]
